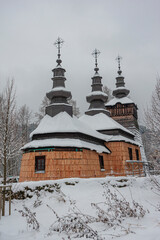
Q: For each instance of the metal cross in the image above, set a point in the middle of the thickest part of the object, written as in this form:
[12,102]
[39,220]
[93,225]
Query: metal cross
[118,59]
[58,43]
[95,54]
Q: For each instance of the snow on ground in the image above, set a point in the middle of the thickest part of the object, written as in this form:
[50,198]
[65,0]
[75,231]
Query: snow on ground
[76,195]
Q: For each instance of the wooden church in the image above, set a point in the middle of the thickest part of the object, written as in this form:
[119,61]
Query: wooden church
[95,145]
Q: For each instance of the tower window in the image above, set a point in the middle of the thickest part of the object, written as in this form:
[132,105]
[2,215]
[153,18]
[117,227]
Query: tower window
[40,164]
[130,153]
[137,154]
[101,162]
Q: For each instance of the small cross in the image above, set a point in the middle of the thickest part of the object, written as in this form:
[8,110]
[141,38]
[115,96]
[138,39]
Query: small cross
[58,43]
[118,59]
[95,54]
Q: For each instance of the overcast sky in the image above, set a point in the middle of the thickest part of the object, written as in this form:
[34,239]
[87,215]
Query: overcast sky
[29,28]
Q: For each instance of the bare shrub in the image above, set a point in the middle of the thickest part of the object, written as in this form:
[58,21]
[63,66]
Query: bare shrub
[37,202]
[75,225]
[30,217]
[119,208]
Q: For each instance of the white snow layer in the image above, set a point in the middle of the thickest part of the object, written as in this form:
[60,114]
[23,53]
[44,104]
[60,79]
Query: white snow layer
[67,142]
[82,193]
[63,122]
[120,138]
[97,109]
[101,121]
[55,89]
[123,100]
[95,93]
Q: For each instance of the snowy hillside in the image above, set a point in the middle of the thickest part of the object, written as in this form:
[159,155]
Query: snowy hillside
[104,208]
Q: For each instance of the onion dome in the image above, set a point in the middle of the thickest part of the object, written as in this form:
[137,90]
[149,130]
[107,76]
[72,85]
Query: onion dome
[120,90]
[97,97]
[58,96]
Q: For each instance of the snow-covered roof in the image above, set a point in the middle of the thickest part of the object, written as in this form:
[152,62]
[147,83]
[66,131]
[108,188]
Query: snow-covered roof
[55,89]
[63,122]
[120,88]
[119,138]
[123,100]
[101,121]
[60,104]
[97,109]
[97,75]
[94,93]
[67,142]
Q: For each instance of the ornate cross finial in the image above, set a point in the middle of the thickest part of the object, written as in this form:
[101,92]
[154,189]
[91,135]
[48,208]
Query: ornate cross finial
[58,43]
[118,59]
[95,54]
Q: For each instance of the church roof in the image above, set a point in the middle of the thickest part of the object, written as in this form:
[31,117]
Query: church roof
[119,138]
[101,121]
[123,100]
[67,142]
[64,123]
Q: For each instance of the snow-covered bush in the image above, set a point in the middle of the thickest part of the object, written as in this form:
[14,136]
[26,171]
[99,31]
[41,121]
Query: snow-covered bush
[28,192]
[30,217]
[117,208]
[75,225]
[111,212]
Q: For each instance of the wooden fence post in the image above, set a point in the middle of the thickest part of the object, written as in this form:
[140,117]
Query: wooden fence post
[3,190]
[9,200]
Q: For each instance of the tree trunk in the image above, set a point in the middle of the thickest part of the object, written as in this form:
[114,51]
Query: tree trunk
[4,182]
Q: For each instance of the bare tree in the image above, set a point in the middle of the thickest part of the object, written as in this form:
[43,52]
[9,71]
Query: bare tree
[46,102]
[41,113]
[76,111]
[9,139]
[24,121]
[152,119]
[108,92]
[9,134]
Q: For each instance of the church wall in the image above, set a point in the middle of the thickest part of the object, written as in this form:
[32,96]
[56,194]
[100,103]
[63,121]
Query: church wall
[127,121]
[116,161]
[61,164]
[81,164]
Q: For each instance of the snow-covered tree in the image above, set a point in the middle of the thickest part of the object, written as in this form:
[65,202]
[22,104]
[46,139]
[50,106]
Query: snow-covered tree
[10,140]
[152,118]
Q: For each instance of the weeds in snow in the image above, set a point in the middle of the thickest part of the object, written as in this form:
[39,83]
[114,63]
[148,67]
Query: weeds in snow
[37,202]
[112,212]
[30,217]
[75,225]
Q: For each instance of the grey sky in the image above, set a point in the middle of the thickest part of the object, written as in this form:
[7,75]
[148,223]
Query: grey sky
[29,28]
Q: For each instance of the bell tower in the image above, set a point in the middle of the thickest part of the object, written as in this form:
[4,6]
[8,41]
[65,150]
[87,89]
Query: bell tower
[121,107]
